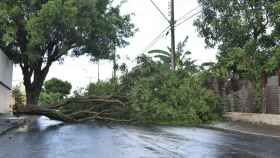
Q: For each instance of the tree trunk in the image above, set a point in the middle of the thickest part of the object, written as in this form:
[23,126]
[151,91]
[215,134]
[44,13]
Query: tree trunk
[33,87]
[32,95]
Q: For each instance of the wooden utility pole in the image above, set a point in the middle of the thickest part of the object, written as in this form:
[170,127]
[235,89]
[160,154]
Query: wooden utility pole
[98,69]
[114,65]
[172,26]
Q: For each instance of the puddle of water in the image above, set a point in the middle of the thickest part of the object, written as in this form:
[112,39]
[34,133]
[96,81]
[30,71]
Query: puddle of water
[38,124]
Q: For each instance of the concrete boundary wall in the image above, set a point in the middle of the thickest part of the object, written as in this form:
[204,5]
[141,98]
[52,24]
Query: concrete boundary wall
[269,119]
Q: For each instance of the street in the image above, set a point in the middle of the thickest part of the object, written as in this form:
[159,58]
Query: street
[49,139]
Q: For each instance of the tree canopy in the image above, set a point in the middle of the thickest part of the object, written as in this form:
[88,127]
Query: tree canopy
[55,85]
[245,32]
[36,33]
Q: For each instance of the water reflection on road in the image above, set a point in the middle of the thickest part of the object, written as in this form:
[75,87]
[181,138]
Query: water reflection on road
[49,139]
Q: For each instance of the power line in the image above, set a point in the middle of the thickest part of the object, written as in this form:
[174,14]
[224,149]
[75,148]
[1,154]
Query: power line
[187,19]
[158,37]
[154,41]
[189,12]
[165,17]
[184,18]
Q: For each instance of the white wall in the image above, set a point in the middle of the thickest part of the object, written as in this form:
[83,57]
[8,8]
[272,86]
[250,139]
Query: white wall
[6,70]
[4,100]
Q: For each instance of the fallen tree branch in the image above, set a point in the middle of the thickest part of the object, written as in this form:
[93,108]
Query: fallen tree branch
[39,111]
[81,109]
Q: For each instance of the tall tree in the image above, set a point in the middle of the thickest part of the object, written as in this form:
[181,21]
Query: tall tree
[36,33]
[244,32]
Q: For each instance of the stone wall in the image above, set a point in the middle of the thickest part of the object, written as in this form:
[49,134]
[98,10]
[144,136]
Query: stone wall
[242,100]
[238,95]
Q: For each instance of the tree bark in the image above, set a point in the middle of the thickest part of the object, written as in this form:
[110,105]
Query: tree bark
[32,95]
[33,88]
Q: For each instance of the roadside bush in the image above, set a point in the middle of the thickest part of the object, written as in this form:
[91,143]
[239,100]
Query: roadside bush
[19,98]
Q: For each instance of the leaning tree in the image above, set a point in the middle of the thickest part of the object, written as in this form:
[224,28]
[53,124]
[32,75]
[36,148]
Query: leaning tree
[36,33]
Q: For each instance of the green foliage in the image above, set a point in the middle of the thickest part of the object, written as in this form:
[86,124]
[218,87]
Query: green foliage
[245,33]
[55,91]
[18,96]
[37,33]
[50,28]
[57,86]
[50,98]
[159,95]
[182,60]
[102,89]
[173,97]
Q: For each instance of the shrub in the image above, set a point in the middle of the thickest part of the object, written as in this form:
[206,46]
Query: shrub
[19,98]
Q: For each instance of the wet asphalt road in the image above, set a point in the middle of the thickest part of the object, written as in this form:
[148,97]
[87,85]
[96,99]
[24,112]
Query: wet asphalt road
[48,139]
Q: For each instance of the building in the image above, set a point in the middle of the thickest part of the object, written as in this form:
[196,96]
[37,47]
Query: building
[6,70]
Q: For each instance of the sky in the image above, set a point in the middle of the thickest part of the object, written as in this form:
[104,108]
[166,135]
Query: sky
[80,71]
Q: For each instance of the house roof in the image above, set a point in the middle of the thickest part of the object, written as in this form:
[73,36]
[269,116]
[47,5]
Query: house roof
[5,86]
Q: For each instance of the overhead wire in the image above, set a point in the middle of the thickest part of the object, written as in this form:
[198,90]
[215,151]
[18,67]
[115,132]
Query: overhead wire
[157,7]
[189,12]
[188,18]
[158,37]
[181,21]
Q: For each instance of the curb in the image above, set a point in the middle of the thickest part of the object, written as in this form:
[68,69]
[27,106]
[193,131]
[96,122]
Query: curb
[17,125]
[233,131]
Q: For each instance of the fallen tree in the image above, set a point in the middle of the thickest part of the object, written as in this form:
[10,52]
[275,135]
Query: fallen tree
[106,108]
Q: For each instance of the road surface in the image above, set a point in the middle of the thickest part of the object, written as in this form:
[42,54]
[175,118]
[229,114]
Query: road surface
[49,139]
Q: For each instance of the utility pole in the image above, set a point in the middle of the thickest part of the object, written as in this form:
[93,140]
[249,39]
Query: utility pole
[114,65]
[172,26]
[98,69]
